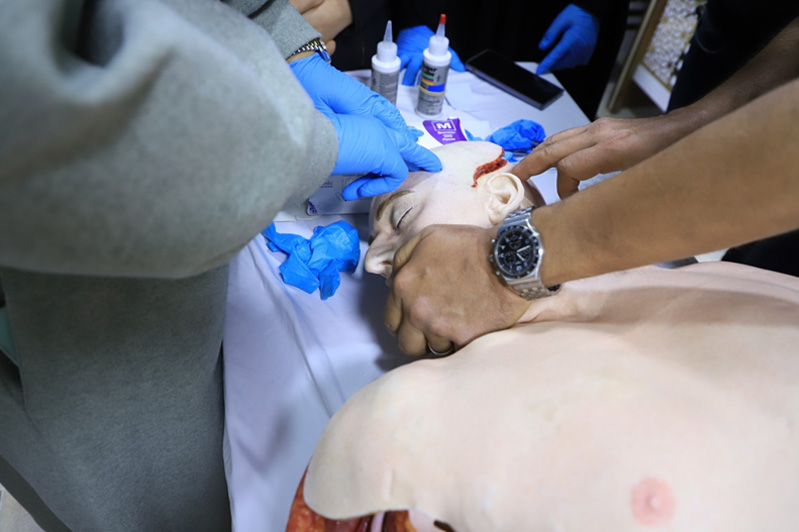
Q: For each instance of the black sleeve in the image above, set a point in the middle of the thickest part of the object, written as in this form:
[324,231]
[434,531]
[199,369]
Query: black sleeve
[601,8]
[358,42]
[364,11]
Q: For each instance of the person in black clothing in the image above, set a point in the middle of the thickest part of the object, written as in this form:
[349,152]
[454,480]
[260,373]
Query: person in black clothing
[357,43]
[728,35]
[514,28]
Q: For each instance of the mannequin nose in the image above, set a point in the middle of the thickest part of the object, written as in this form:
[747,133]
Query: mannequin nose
[379,261]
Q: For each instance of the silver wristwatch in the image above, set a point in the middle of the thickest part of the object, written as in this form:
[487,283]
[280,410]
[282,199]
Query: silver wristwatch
[516,254]
[315,45]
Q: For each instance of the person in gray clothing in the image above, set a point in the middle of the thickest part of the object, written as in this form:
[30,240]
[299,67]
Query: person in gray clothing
[143,143]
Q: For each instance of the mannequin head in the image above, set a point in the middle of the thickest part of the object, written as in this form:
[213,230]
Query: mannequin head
[474,187]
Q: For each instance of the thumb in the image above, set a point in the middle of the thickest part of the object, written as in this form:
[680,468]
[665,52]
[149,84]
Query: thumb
[378,185]
[414,64]
[404,254]
[405,58]
[417,157]
[567,185]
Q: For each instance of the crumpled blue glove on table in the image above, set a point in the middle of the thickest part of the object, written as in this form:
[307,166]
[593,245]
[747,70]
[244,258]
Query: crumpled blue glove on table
[372,135]
[520,136]
[575,31]
[517,138]
[411,43]
[316,263]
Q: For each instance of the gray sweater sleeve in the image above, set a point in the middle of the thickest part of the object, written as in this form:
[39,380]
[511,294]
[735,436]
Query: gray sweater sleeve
[286,26]
[158,148]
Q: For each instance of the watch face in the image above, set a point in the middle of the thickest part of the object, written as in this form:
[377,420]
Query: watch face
[516,252]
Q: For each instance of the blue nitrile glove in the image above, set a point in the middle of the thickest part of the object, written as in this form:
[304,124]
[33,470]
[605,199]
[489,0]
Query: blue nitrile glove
[372,135]
[411,43]
[316,263]
[520,136]
[333,91]
[575,31]
[366,146]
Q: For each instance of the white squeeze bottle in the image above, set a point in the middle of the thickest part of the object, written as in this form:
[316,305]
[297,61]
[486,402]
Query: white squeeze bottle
[435,66]
[386,67]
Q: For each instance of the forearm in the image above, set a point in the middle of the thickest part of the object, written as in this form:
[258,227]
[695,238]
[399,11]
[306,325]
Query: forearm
[731,182]
[775,65]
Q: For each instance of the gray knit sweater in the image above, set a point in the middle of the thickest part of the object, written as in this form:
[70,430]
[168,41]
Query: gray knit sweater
[142,144]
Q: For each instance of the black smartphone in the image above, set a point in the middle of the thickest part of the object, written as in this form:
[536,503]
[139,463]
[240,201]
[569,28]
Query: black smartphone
[501,71]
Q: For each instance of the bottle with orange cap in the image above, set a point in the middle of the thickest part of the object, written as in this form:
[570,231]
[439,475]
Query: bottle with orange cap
[435,67]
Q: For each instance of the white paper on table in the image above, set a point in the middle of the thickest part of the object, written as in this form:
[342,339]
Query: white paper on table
[291,360]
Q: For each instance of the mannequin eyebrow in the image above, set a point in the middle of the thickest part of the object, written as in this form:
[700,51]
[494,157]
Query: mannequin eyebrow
[383,206]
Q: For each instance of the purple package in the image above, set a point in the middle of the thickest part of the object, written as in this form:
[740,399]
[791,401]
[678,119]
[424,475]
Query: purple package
[445,131]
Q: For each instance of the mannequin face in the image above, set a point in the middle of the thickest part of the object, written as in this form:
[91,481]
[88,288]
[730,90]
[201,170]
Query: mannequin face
[473,188]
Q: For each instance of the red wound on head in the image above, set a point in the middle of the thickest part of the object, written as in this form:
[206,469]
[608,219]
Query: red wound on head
[652,502]
[487,168]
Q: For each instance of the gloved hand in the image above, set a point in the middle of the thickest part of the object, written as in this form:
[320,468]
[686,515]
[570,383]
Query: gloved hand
[575,31]
[411,43]
[372,135]
[365,145]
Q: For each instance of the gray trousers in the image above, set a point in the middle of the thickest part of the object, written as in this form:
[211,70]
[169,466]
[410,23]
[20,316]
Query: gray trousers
[112,420]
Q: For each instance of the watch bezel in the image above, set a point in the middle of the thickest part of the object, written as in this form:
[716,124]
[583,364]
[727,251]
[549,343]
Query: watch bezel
[530,264]
[526,283]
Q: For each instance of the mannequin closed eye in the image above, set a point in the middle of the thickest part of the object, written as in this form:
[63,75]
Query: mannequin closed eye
[402,218]
[473,188]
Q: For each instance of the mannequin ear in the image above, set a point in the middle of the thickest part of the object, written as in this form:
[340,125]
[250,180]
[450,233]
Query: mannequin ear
[505,194]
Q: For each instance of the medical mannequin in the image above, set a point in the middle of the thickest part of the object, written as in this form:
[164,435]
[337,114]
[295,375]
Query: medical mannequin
[452,196]
[669,401]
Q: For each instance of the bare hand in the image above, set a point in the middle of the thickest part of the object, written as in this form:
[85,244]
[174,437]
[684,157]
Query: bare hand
[444,292]
[606,145]
[328,17]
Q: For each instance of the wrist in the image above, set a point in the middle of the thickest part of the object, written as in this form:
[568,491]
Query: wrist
[582,235]
[544,220]
[516,255]
[314,46]
[297,57]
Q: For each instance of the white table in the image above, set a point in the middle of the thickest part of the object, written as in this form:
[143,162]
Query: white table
[291,360]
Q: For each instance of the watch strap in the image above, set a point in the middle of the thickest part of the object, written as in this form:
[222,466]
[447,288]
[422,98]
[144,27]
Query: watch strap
[521,215]
[533,290]
[316,45]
